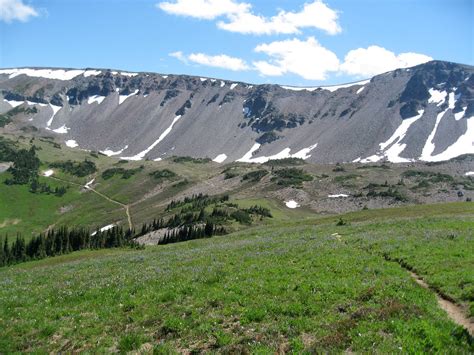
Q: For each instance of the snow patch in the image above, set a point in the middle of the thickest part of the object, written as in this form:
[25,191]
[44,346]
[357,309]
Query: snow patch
[329,88]
[88,185]
[469,173]
[285,153]
[111,153]
[452,100]
[220,158]
[95,98]
[393,153]
[248,156]
[48,172]
[429,147]
[58,74]
[128,74]
[459,115]
[165,76]
[292,204]
[338,195]
[88,73]
[157,159]
[464,145]
[203,79]
[303,153]
[61,130]
[122,98]
[222,84]
[142,154]
[232,87]
[55,111]
[437,97]
[372,159]
[103,229]
[72,143]
[360,90]
[13,103]
[31,103]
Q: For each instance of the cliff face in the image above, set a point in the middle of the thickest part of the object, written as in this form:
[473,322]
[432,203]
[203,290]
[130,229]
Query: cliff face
[422,113]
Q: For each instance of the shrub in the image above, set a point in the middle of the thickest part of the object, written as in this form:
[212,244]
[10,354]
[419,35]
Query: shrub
[163,174]
[341,222]
[254,176]
[241,217]
[285,162]
[79,169]
[338,168]
[191,160]
[291,177]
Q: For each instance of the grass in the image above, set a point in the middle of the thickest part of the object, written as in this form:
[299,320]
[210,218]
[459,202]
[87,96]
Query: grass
[292,287]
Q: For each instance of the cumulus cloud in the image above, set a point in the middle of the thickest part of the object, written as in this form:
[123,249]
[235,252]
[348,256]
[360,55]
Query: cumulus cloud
[241,19]
[307,59]
[222,61]
[366,62]
[11,10]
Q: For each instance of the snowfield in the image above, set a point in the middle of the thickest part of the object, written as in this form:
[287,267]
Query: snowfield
[57,74]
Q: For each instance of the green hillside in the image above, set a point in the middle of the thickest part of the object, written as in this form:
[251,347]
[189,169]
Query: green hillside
[294,286]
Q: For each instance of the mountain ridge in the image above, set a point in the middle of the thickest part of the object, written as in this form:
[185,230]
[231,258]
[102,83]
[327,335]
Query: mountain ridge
[364,121]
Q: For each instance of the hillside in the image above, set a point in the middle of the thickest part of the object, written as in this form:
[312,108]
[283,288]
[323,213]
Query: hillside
[296,286]
[144,189]
[421,113]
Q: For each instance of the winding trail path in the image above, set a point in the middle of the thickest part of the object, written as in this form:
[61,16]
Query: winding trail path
[455,312]
[125,207]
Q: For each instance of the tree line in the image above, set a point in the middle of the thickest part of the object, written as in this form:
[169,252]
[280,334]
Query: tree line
[61,241]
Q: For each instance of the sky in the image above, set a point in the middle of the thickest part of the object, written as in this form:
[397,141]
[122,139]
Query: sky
[290,42]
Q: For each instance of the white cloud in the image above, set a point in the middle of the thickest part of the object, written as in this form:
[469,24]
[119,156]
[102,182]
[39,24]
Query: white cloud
[313,15]
[218,61]
[307,59]
[203,9]
[366,62]
[179,55]
[241,19]
[11,10]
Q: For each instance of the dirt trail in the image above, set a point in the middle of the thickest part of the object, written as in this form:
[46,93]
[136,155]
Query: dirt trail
[454,311]
[126,207]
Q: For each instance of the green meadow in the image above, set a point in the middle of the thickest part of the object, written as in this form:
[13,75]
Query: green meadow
[307,285]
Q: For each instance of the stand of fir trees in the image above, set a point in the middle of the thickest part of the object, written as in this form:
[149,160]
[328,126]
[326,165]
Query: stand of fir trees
[61,241]
[191,232]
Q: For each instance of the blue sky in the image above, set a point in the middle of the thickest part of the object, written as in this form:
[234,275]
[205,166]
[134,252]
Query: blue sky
[293,42]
